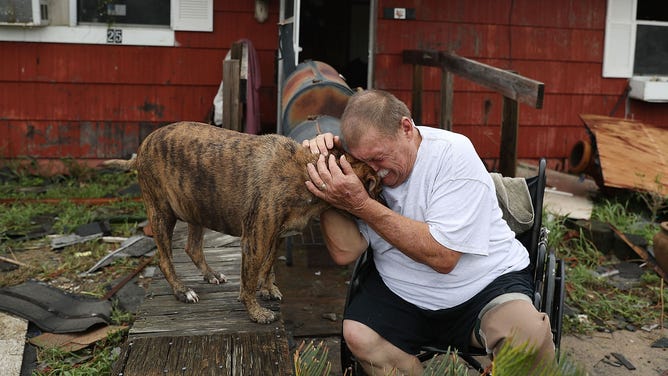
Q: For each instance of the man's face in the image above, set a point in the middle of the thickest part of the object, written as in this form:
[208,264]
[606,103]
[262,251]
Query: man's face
[391,157]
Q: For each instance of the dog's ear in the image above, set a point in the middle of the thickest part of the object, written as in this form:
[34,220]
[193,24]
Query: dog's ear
[338,152]
[372,183]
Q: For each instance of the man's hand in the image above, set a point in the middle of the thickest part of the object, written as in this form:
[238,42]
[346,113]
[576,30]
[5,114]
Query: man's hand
[322,143]
[337,185]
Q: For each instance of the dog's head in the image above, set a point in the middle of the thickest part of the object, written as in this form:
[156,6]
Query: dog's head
[367,175]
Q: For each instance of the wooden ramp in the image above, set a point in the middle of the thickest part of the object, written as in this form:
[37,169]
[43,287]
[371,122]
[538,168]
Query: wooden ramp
[211,337]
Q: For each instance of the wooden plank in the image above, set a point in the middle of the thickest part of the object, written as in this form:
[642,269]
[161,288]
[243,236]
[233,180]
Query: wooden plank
[243,353]
[416,102]
[447,93]
[212,337]
[508,84]
[632,154]
[231,103]
[143,357]
[509,133]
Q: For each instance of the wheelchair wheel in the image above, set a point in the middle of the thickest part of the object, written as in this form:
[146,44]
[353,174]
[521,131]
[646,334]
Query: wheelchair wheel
[560,295]
[550,283]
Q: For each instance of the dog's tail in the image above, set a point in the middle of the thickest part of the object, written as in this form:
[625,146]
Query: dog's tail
[121,164]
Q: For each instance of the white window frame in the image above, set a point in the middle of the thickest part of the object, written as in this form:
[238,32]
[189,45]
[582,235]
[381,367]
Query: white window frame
[186,15]
[620,38]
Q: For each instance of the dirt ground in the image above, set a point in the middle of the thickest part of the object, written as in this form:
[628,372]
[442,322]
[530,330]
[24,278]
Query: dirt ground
[593,352]
[313,289]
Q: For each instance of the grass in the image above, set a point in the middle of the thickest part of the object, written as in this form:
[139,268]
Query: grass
[24,213]
[600,303]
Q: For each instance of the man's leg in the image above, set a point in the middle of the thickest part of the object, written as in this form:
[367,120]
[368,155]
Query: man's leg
[378,356]
[520,320]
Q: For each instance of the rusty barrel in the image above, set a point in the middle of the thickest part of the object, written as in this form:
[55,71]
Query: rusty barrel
[314,126]
[314,88]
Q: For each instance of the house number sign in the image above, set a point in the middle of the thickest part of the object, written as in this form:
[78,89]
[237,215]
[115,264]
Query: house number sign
[115,36]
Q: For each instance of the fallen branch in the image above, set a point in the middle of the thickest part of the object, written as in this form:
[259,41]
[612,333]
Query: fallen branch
[127,279]
[15,262]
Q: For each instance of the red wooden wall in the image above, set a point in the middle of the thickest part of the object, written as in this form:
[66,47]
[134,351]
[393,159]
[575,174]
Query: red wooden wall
[559,43]
[94,102]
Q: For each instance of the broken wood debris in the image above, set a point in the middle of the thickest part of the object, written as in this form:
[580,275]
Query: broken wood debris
[15,262]
[631,154]
[137,245]
[72,239]
[641,252]
[74,341]
[622,359]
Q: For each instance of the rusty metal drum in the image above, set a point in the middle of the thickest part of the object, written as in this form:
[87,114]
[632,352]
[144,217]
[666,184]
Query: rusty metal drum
[314,88]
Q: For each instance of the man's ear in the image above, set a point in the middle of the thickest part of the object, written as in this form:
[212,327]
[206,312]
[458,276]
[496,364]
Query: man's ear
[406,125]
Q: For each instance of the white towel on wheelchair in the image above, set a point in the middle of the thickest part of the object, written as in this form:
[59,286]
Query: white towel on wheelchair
[515,202]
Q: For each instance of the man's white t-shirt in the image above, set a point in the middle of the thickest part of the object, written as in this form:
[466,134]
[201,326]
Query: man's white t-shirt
[450,190]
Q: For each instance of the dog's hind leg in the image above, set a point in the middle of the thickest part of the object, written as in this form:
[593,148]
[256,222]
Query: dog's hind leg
[250,268]
[194,250]
[162,223]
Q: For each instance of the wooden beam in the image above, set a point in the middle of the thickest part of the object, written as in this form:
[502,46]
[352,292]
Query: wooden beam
[508,84]
[417,94]
[509,130]
[231,102]
[447,92]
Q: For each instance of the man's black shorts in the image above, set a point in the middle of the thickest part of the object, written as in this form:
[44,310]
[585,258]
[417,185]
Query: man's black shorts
[409,327]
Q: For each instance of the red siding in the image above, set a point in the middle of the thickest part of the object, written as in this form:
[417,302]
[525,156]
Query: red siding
[559,43]
[99,101]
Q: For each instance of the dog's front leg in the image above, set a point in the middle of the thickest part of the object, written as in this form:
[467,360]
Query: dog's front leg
[268,288]
[250,268]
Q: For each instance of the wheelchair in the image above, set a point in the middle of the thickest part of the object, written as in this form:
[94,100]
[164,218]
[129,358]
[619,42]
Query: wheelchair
[548,272]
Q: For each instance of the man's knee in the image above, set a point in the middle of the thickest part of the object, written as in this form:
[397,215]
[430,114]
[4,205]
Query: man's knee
[357,335]
[519,320]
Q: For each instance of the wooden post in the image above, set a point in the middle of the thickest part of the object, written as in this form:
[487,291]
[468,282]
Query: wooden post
[417,94]
[509,130]
[447,83]
[231,103]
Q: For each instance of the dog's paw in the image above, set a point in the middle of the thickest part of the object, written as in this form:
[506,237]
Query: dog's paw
[215,278]
[263,316]
[272,293]
[187,296]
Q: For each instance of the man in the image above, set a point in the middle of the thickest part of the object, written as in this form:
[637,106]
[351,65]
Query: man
[443,254]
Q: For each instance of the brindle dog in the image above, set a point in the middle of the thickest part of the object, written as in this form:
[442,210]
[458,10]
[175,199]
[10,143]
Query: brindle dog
[235,183]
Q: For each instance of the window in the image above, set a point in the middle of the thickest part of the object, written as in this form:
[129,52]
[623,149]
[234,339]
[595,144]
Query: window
[127,22]
[636,39]
[124,12]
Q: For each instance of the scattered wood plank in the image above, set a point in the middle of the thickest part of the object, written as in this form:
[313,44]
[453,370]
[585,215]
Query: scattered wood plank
[632,154]
[212,337]
[641,252]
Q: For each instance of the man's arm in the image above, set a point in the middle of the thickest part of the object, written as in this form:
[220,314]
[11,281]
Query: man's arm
[409,236]
[342,236]
[346,192]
